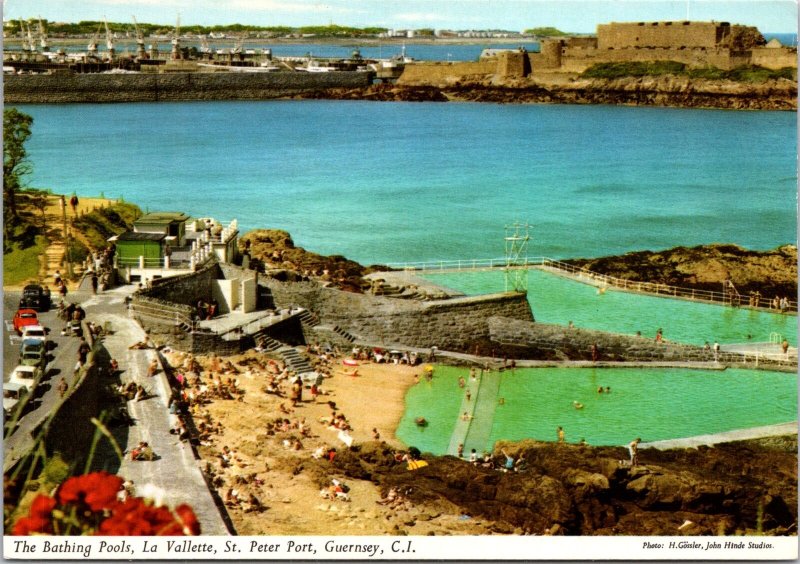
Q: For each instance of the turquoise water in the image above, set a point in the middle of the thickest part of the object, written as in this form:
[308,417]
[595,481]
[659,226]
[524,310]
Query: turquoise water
[383,182]
[654,404]
[555,299]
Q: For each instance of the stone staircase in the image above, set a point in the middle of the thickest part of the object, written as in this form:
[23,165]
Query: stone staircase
[295,361]
[349,337]
[308,318]
[393,291]
[267,343]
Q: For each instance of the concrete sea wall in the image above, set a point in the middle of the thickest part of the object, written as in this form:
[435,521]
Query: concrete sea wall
[453,324]
[94,88]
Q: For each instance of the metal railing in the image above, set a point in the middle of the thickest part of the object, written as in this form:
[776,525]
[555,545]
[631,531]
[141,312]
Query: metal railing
[730,298]
[160,312]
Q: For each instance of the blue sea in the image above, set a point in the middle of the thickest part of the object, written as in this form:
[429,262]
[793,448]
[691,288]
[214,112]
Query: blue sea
[389,182]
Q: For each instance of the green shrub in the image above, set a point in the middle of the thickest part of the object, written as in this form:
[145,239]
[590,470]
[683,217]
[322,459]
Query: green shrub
[750,73]
[634,68]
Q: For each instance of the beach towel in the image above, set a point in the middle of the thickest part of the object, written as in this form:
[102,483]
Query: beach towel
[416,464]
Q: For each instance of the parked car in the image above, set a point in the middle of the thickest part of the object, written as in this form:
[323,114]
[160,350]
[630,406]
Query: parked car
[34,332]
[32,345]
[35,297]
[13,394]
[34,358]
[25,375]
[25,317]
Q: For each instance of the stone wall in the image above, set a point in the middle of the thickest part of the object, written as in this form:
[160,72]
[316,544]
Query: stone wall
[96,87]
[578,60]
[445,73]
[774,58]
[185,289]
[557,342]
[661,34]
[453,324]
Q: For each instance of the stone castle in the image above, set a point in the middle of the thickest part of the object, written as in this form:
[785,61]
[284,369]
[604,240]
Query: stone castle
[696,44]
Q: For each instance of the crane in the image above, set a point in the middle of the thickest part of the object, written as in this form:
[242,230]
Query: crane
[28,44]
[92,47]
[176,49]
[140,52]
[109,41]
[43,37]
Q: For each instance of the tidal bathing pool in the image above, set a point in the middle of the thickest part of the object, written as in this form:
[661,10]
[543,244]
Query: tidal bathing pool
[654,404]
[555,299]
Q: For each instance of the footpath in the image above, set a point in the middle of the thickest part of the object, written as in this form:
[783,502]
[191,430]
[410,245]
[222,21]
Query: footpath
[175,471]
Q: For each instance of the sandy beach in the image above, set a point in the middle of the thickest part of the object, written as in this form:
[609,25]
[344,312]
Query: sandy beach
[288,481]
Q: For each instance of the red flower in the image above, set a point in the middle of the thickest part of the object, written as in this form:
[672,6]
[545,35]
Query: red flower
[38,520]
[135,518]
[191,526]
[30,525]
[98,490]
[42,506]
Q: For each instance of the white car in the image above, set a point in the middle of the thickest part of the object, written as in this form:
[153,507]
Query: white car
[34,332]
[27,376]
[13,393]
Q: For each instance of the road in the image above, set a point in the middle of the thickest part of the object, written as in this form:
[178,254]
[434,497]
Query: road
[62,358]
[175,470]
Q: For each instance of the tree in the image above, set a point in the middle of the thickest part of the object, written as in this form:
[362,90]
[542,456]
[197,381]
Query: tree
[16,131]
[39,199]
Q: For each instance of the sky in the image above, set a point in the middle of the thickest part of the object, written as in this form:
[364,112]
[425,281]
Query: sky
[578,16]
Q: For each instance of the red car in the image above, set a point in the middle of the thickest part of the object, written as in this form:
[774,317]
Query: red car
[25,317]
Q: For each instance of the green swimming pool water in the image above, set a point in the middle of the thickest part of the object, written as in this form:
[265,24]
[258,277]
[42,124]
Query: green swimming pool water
[654,404]
[555,299]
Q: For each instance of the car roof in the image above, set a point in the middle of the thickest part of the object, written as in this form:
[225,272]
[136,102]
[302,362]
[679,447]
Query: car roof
[13,386]
[31,342]
[24,368]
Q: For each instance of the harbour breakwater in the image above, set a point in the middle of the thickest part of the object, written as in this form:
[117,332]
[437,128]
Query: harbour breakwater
[667,91]
[98,88]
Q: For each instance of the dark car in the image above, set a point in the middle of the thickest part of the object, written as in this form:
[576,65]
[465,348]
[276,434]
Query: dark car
[35,297]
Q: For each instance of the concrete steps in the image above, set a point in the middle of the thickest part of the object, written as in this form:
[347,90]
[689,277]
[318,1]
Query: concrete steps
[344,334]
[268,344]
[295,361]
[308,318]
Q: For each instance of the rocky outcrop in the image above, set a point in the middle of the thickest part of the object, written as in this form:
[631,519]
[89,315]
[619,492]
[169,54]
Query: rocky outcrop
[674,91]
[273,250]
[706,267]
[381,93]
[733,488]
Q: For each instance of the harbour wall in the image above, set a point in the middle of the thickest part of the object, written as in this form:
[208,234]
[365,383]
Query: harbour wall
[98,88]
